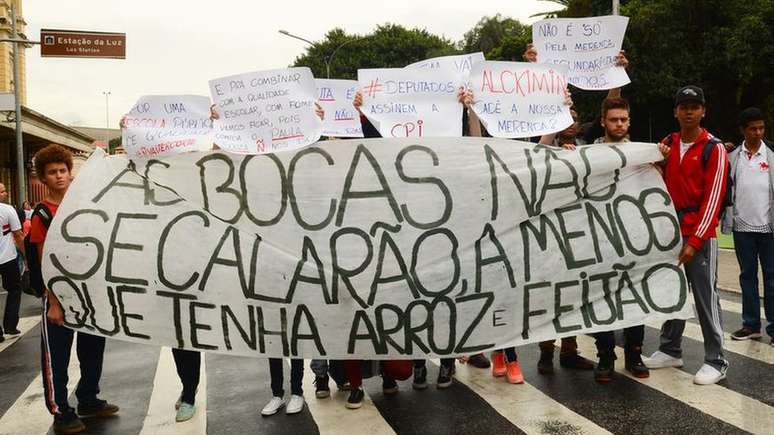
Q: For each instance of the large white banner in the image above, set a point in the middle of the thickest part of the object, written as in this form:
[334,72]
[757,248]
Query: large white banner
[266,111]
[341,117]
[461,64]
[167,124]
[518,100]
[373,249]
[586,46]
[403,102]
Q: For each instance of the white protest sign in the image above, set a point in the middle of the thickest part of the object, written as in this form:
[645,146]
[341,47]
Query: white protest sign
[586,46]
[266,111]
[516,99]
[341,117]
[411,103]
[161,125]
[368,248]
[461,64]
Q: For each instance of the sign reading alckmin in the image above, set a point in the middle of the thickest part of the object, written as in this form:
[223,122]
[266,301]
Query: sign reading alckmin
[376,248]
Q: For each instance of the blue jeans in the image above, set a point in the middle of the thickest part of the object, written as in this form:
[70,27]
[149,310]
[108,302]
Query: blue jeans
[750,247]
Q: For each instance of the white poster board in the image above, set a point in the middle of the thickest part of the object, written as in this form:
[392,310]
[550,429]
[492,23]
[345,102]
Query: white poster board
[160,125]
[461,64]
[341,117]
[411,102]
[519,100]
[266,111]
[368,248]
[586,46]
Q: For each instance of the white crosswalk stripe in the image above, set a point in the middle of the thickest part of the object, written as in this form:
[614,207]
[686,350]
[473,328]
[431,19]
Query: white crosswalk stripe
[25,324]
[29,415]
[524,405]
[715,400]
[332,417]
[160,419]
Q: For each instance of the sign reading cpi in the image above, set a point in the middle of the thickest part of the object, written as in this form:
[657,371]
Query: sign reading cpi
[75,43]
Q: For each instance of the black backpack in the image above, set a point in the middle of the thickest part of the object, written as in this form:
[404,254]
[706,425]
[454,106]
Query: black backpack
[36,285]
[728,199]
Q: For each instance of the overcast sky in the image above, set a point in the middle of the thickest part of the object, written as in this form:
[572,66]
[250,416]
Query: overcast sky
[176,46]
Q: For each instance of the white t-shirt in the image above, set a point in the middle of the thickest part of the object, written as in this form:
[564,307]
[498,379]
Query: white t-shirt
[9,222]
[684,148]
[751,202]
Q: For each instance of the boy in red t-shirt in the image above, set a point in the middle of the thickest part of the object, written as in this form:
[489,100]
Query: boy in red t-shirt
[53,165]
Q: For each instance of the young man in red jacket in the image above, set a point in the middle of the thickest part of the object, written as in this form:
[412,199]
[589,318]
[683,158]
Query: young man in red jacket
[695,174]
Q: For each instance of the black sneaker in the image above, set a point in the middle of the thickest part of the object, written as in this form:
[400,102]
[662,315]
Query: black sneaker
[603,372]
[746,333]
[575,361]
[68,423]
[355,399]
[12,332]
[546,362]
[321,389]
[420,378]
[2,339]
[99,408]
[479,361]
[634,364]
[444,377]
[389,386]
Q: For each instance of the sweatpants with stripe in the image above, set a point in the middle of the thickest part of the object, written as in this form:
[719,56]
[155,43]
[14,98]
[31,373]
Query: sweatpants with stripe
[702,274]
[56,344]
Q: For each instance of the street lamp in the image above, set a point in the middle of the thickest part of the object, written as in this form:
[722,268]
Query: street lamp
[327,59]
[107,120]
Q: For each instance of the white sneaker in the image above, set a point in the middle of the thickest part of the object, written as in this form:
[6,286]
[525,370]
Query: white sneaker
[274,405]
[660,360]
[708,375]
[295,405]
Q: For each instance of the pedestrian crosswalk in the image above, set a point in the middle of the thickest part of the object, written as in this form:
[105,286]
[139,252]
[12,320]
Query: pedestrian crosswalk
[144,382]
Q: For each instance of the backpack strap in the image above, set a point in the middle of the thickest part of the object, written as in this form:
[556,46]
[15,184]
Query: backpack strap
[42,211]
[706,153]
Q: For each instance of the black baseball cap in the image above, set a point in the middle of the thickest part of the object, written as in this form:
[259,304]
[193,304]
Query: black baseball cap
[688,94]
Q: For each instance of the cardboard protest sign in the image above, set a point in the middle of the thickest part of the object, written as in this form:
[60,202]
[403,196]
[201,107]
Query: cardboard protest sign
[266,111]
[411,102]
[368,249]
[160,125]
[518,100]
[586,46]
[341,117]
[461,64]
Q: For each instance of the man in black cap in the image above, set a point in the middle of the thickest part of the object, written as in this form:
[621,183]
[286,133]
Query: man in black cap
[695,171]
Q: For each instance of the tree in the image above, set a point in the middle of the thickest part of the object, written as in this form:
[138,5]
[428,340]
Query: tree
[724,46]
[498,37]
[113,144]
[389,46]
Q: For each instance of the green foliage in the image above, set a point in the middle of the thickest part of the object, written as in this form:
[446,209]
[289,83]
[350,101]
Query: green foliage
[724,46]
[498,37]
[113,144]
[389,46]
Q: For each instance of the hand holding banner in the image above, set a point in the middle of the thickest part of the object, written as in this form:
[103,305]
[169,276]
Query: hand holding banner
[266,111]
[161,125]
[517,100]
[587,46]
[411,103]
[341,117]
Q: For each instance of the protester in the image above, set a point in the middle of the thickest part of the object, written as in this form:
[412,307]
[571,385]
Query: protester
[12,239]
[53,165]
[696,166]
[188,364]
[615,120]
[751,220]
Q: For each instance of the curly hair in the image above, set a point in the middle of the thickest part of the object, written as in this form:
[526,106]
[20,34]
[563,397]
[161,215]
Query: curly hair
[52,154]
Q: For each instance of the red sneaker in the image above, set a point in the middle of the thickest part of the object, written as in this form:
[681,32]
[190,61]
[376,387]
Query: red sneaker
[498,364]
[514,373]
